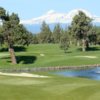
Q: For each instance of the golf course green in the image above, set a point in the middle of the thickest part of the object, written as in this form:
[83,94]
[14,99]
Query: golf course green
[54,87]
[50,55]
[51,88]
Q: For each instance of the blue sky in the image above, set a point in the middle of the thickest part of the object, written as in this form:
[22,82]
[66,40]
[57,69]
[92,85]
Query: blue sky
[27,9]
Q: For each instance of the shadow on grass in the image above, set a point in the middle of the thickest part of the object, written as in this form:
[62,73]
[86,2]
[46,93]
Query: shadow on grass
[93,49]
[26,59]
[16,49]
[22,59]
[19,48]
[90,49]
[3,49]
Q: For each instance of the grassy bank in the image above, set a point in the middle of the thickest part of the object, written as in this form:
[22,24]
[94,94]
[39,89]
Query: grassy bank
[53,88]
[45,55]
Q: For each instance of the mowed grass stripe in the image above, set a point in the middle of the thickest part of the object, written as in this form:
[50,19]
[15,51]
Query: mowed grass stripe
[54,88]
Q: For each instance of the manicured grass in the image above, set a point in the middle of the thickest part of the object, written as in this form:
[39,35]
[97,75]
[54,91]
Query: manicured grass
[53,88]
[44,55]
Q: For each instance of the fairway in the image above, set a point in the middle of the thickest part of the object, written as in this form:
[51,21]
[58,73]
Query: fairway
[50,55]
[49,50]
[55,88]
[49,87]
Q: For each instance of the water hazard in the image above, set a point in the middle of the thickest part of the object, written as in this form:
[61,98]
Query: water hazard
[93,73]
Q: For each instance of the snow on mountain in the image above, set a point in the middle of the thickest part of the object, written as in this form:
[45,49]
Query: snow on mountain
[49,17]
[55,17]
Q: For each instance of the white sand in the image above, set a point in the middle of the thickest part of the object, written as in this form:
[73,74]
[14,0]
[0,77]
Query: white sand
[23,75]
[92,57]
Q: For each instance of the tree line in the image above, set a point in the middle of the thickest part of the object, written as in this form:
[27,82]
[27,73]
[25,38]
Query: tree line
[80,32]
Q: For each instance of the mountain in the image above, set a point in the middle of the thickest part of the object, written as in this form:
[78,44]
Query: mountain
[55,17]
[52,17]
[35,28]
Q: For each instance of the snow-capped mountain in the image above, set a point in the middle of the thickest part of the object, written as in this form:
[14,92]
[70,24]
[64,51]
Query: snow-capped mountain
[55,17]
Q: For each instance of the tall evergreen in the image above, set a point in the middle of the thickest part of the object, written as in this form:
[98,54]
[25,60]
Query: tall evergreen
[64,41]
[80,26]
[69,32]
[1,36]
[92,36]
[12,31]
[57,33]
[45,35]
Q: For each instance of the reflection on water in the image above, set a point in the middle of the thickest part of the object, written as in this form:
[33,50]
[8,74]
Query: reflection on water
[93,73]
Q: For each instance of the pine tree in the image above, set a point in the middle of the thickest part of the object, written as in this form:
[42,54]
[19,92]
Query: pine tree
[13,32]
[64,41]
[57,33]
[45,35]
[80,26]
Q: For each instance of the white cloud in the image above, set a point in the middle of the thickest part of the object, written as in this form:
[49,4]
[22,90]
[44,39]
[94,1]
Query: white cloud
[54,17]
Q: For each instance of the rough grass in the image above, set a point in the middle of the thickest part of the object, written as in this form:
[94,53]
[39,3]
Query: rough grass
[52,56]
[54,88]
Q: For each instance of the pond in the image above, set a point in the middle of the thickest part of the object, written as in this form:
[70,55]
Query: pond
[93,73]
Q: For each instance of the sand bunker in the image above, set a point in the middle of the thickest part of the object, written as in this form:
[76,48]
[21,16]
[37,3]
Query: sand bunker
[92,57]
[42,55]
[23,75]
